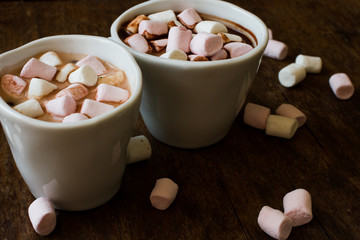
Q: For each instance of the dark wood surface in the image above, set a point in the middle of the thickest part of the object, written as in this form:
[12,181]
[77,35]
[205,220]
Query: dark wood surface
[222,187]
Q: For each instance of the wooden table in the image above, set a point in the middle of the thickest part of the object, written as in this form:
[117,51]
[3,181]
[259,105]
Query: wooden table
[222,187]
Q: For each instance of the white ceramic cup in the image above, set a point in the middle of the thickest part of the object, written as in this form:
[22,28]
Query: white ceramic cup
[77,165]
[193,104]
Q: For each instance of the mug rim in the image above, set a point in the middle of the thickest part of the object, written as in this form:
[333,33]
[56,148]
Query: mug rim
[135,93]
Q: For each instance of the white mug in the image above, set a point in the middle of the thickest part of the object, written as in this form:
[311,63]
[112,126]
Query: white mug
[77,165]
[193,104]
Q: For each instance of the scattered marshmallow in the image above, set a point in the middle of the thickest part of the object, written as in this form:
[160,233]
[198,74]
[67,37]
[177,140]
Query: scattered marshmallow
[179,38]
[51,58]
[93,108]
[42,216]
[163,194]
[138,149]
[61,106]
[113,79]
[206,44]
[210,27]
[342,86]
[30,108]
[39,88]
[133,26]
[64,72]
[256,115]
[93,62]
[280,126]
[13,84]
[159,44]
[193,57]
[311,64]
[219,55]
[165,16]
[175,54]
[151,29]
[274,223]
[228,37]
[138,42]
[297,206]
[189,18]
[237,49]
[36,68]
[74,117]
[76,91]
[270,33]
[85,75]
[291,75]
[291,111]
[276,50]
[108,93]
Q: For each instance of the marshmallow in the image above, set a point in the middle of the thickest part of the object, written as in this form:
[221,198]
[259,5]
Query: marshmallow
[179,38]
[138,149]
[138,42]
[276,49]
[93,62]
[74,117]
[174,24]
[189,17]
[165,16]
[151,29]
[310,63]
[206,44]
[210,27]
[237,49]
[163,194]
[274,223]
[51,58]
[219,55]
[61,106]
[341,85]
[39,88]
[113,79]
[175,54]
[291,111]
[256,115]
[36,68]
[13,84]
[297,206]
[228,37]
[93,108]
[291,75]
[108,93]
[159,44]
[42,216]
[64,72]
[85,75]
[270,33]
[196,58]
[30,108]
[280,126]
[76,91]
[133,26]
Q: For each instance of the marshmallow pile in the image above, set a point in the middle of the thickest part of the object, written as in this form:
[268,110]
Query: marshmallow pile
[184,37]
[47,85]
[297,212]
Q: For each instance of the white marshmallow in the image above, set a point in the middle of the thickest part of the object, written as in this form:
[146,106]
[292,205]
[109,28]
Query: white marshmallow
[210,27]
[64,72]
[165,16]
[291,75]
[85,75]
[310,63]
[274,223]
[42,216]
[164,193]
[297,206]
[280,126]
[51,58]
[175,54]
[39,88]
[138,149]
[30,108]
[231,37]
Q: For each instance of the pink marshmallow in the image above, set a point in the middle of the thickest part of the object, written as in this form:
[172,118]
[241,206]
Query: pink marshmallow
[163,194]
[256,115]
[108,93]
[36,68]
[159,44]
[13,84]
[237,49]
[219,55]
[151,29]
[138,42]
[291,111]
[74,117]
[297,206]
[76,90]
[42,216]
[189,17]
[206,44]
[61,106]
[276,50]
[93,62]
[179,38]
[93,108]
[274,223]
[342,86]
[270,33]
